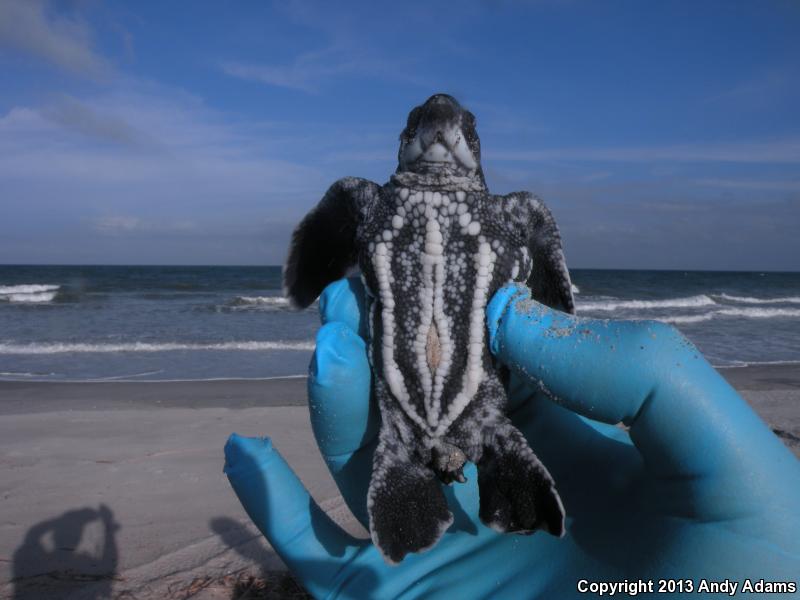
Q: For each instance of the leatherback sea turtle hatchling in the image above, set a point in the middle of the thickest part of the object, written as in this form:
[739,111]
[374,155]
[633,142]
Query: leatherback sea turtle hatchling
[433,246]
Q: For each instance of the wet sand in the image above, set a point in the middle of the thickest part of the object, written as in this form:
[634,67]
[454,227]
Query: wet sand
[117,487]
[26,397]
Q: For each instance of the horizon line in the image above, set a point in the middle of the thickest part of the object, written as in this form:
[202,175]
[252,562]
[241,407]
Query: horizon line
[258,266]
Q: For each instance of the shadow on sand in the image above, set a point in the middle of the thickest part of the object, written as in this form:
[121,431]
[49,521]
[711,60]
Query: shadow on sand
[55,561]
[268,584]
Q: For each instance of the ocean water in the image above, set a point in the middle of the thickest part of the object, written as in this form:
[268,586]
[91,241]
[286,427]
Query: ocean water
[166,323]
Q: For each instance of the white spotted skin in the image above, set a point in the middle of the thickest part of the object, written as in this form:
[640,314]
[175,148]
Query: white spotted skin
[434,246]
[433,259]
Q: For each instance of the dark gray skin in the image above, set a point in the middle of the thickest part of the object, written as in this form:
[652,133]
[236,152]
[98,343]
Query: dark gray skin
[433,246]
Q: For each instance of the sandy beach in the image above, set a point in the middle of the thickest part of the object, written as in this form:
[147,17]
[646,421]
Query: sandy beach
[116,488]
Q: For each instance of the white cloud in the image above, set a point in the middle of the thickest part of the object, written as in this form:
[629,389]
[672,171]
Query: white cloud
[309,71]
[752,184]
[145,162]
[305,73]
[345,49]
[761,92]
[116,225]
[287,76]
[74,115]
[160,139]
[781,151]
[30,27]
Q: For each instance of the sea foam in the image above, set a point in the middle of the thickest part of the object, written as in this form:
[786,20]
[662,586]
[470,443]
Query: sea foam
[29,293]
[752,300]
[745,313]
[27,289]
[685,319]
[760,313]
[616,304]
[64,347]
[257,303]
[261,300]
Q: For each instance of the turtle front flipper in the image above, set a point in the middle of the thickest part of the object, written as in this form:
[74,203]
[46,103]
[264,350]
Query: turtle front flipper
[517,493]
[549,278]
[324,245]
[407,509]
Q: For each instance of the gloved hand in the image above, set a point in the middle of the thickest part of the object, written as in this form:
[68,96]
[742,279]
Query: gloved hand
[697,489]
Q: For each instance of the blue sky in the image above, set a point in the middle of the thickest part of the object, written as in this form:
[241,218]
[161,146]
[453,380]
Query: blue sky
[661,134]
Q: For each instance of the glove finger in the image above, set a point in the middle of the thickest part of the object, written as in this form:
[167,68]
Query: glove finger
[644,374]
[310,544]
[344,419]
[344,301]
[522,394]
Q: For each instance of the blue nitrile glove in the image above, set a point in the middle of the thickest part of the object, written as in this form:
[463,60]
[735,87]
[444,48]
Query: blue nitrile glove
[698,489]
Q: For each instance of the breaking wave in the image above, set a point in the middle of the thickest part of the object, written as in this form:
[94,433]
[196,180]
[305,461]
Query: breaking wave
[257,303]
[688,302]
[751,300]
[685,319]
[260,301]
[757,363]
[24,374]
[747,313]
[706,307]
[27,289]
[63,347]
[29,293]
[760,313]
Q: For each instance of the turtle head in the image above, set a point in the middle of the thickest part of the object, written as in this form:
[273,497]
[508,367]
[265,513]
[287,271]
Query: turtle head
[440,137]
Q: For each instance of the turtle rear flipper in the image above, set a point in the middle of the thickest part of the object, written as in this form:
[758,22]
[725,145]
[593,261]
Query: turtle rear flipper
[517,493]
[407,509]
